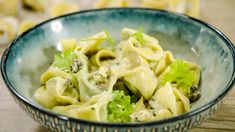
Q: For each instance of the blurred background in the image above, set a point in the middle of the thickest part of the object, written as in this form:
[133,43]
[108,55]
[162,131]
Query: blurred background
[17,16]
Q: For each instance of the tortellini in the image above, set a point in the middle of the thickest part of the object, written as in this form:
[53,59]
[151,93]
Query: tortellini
[9,7]
[25,25]
[8,29]
[53,73]
[91,45]
[151,50]
[140,78]
[111,3]
[94,79]
[94,109]
[164,62]
[37,5]
[68,44]
[189,7]
[170,98]
[102,56]
[56,92]
[62,8]
[141,113]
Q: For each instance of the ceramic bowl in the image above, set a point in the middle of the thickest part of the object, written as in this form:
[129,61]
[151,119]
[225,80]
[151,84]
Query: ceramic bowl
[31,53]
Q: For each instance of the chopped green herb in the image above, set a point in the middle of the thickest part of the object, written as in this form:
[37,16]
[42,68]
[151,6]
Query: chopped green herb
[110,39]
[64,60]
[120,108]
[139,36]
[179,74]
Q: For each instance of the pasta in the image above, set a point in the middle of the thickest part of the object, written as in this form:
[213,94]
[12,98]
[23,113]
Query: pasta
[134,80]
[37,5]
[189,7]
[9,7]
[111,3]
[62,8]
[26,25]
[8,29]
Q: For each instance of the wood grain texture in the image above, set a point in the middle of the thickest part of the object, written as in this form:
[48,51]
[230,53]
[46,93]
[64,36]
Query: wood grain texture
[218,13]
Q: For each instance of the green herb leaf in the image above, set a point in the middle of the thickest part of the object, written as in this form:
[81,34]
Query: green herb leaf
[120,108]
[64,60]
[139,36]
[180,74]
[110,39]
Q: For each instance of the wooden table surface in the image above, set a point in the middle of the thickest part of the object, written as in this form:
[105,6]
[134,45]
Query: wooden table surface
[219,13]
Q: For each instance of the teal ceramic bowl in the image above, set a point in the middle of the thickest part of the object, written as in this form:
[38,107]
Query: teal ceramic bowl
[30,54]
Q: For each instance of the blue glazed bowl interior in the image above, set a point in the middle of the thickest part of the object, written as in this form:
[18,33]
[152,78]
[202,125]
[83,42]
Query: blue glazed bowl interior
[31,54]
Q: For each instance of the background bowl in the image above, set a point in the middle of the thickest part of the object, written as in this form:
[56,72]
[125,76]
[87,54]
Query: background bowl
[32,52]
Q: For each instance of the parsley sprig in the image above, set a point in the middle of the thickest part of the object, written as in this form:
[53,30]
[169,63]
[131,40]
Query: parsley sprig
[64,60]
[120,108]
[180,74]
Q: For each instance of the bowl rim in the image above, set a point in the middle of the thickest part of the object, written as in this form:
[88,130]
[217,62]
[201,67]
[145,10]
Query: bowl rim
[192,113]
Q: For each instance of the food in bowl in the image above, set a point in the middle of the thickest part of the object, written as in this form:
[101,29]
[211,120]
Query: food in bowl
[133,80]
[31,54]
